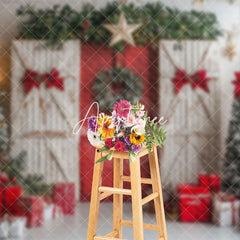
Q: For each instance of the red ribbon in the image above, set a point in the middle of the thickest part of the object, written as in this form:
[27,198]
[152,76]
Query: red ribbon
[180,80]
[236,82]
[31,80]
[34,79]
[225,197]
[198,79]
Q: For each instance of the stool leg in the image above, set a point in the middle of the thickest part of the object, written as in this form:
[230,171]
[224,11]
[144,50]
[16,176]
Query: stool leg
[136,199]
[117,198]
[158,202]
[94,205]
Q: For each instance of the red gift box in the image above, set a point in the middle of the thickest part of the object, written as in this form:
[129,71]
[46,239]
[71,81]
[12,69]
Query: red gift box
[10,199]
[194,203]
[1,202]
[32,207]
[57,211]
[212,181]
[64,196]
[226,209]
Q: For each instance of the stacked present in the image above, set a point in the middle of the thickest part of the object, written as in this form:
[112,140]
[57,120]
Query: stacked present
[34,209]
[204,202]
[195,201]
[51,209]
[64,197]
[9,195]
[12,227]
[226,210]
[212,182]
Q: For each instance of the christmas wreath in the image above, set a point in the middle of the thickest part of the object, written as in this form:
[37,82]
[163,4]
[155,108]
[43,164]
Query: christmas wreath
[115,84]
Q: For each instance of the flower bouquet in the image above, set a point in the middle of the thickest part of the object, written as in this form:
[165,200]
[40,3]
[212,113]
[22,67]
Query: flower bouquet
[127,129]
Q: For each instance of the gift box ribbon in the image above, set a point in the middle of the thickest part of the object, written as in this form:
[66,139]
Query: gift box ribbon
[195,197]
[224,198]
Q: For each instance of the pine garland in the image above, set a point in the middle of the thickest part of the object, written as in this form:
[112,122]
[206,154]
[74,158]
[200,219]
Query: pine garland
[56,25]
[158,22]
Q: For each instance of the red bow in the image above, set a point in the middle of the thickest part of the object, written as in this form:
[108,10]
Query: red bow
[198,79]
[30,80]
[236,82]
[34,79]
[180,80]
[54,80]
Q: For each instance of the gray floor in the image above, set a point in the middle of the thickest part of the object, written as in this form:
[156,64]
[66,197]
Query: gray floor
[75,227]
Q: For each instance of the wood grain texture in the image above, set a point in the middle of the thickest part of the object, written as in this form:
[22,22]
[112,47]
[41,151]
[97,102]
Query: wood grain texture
[136,199]
[193,128]
[136,194]
[95,198]
[44,118]
[145,225]
[158,201]
[117,198]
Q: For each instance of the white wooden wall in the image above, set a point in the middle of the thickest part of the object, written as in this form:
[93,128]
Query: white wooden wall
[42,120]
[193,126]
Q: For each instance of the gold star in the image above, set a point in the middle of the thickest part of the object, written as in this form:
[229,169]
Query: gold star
[122,31]
[199,1]
[230,51]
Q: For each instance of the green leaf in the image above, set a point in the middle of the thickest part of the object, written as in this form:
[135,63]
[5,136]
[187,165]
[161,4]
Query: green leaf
[110,156]
[106,157]
[132,156]
[104,148]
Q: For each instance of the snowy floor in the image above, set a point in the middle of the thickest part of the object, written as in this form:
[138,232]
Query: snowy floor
[75,227]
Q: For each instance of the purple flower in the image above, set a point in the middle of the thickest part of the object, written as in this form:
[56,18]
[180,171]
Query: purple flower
[117,121]
[136,148]
[92,124]
[126,148]
[127,140]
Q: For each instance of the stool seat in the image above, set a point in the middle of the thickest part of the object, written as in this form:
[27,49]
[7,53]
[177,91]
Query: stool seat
[101,192]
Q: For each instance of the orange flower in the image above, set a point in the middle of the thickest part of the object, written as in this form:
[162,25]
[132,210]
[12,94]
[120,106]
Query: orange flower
[104,122]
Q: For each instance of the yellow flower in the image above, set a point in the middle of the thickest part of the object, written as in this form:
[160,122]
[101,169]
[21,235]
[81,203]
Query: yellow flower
[104,122]
[137,139]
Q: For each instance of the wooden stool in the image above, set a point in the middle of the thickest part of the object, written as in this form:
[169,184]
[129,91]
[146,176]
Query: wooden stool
[99,193]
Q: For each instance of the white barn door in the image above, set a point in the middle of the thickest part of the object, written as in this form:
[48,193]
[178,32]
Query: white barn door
[193,116]
[42,120]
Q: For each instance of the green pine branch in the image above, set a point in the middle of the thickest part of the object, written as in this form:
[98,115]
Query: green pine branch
[57,24]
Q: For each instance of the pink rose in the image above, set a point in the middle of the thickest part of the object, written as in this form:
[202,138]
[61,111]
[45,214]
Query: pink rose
[131,120]
[140,113]
[140,122]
